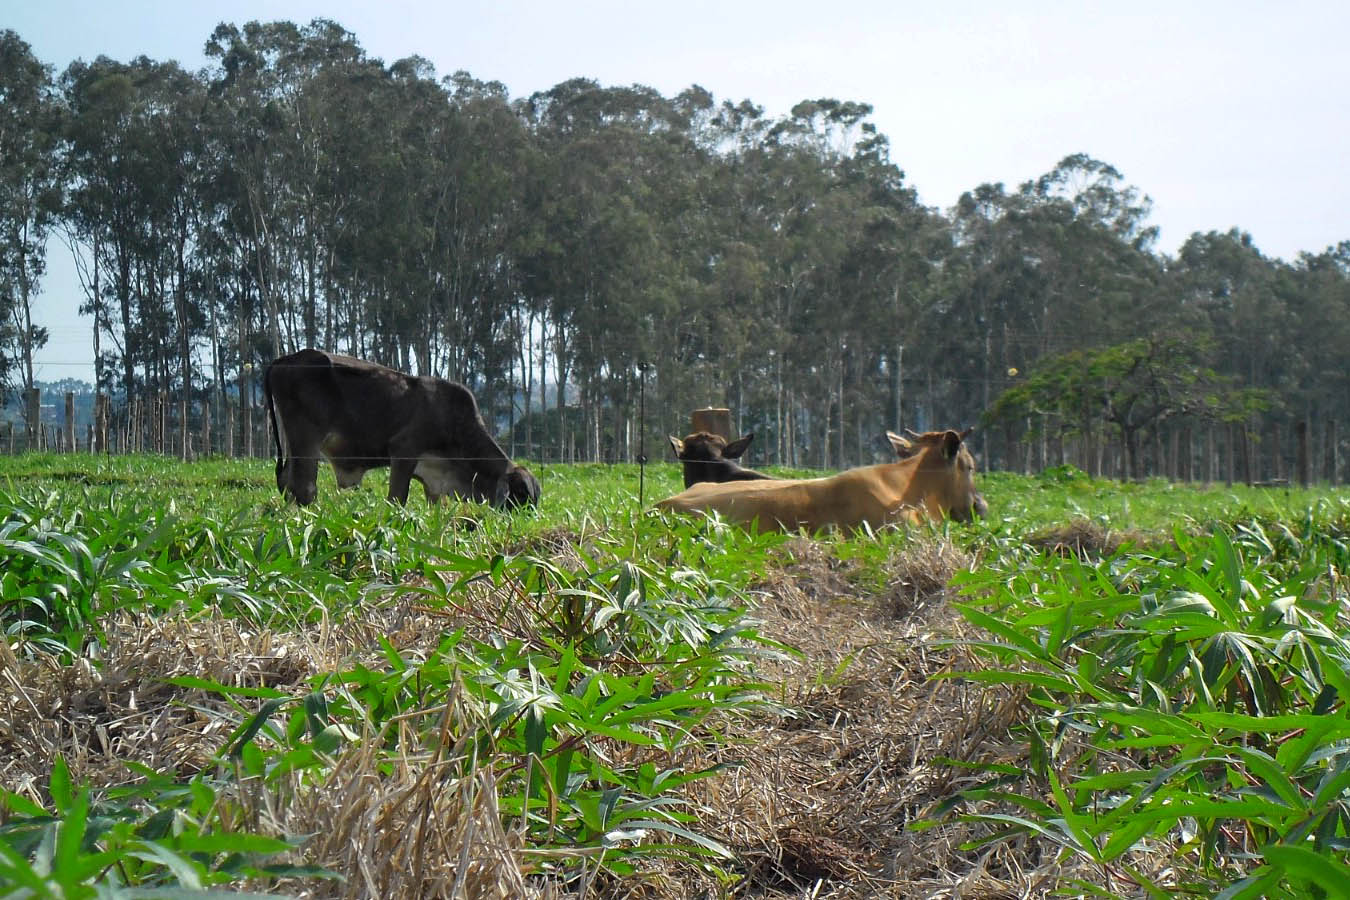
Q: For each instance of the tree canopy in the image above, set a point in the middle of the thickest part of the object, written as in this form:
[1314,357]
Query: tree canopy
[554,250]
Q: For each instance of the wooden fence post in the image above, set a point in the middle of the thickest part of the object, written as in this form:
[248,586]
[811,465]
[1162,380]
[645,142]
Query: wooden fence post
[712,420]
[229,429]
[70,421]
[101,421]
[32,417]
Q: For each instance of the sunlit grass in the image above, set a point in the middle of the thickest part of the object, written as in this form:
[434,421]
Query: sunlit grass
[579,650]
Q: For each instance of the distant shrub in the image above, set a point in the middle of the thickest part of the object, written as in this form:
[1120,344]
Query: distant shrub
[1064,474]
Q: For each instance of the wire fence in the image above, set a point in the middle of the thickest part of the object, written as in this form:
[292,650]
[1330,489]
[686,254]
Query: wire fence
[221,426]
[231,426]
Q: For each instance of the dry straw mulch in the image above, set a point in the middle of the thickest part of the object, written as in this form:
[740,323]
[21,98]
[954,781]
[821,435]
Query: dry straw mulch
[417,829]
[1089,540]
[820,805]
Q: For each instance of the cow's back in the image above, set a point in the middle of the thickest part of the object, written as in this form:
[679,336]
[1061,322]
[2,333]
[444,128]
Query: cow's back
[345,406]
[776,504]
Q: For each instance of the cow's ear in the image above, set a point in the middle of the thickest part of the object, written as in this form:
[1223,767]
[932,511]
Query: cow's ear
[737,447]
[968,432]
[951,444]
[903,447]
[677,445]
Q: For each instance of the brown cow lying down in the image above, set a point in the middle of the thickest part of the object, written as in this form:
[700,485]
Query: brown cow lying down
[360,415]
[937,480]
[708,457]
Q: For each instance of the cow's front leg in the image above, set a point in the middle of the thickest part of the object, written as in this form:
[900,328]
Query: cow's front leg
[302,477]
[400,477]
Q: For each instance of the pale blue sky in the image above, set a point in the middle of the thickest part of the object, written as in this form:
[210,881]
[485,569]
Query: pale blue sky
[1225,113]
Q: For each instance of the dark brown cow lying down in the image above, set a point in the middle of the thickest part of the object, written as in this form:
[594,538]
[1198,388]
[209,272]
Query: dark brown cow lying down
[937,479]
[708,457]
[360,415]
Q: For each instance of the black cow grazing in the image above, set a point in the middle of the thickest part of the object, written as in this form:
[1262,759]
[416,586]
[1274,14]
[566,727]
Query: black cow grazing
[708,457]
[361,415]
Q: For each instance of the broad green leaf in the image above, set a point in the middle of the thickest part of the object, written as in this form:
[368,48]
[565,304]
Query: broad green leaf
[1310,867]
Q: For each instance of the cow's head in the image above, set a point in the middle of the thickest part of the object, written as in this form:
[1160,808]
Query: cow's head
[518,487]
[905,448]
[947,470]
[703,446]
[709,457]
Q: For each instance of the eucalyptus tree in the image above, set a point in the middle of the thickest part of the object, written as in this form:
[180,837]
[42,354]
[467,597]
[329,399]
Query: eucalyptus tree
[1226,278]
[604,152]
[889,275]
[278,88]
[841,184]
[475,207]
[720,340]
[551,263]
[1321,307]
[30,191]
[1064,262]
[991,281]
[774,180]
[292,118]
[118,198]
[175,154]
[1088,232]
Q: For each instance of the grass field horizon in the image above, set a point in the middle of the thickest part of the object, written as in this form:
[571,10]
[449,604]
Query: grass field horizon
[1104,687]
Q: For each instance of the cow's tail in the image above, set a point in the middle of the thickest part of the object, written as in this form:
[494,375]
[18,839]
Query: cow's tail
[276,432]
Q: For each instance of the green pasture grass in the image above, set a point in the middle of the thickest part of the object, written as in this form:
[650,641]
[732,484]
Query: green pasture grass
[644,629]
[1027,503]
[631,641]
[1188,723]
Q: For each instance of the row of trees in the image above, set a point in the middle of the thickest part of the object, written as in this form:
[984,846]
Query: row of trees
[573,252]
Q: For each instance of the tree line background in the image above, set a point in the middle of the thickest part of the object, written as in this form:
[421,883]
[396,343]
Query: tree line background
[587,252]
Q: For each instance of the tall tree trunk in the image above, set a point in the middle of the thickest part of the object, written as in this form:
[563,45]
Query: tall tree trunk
[130,345]
[96,301]
[781,424]
[1231,447]
[560,368]
[839,403]
[898,388]
[1301,437]
[245,412]
[543,381]
[184,347]
[1277,452]
[1245,445]
[1331,454]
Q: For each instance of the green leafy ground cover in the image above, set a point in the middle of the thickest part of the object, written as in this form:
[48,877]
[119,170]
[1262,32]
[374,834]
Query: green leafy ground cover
[207,689]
